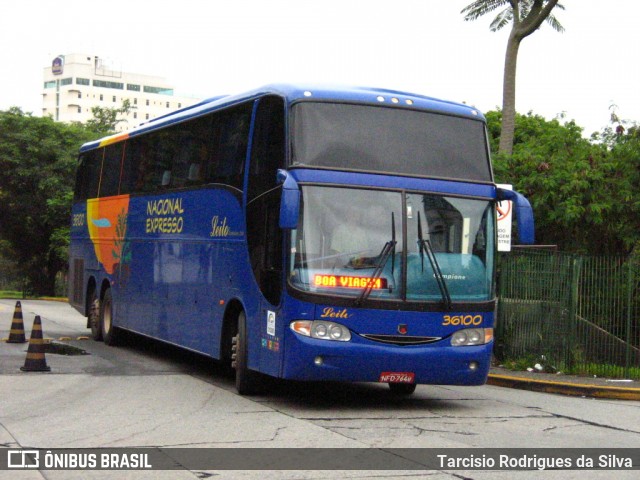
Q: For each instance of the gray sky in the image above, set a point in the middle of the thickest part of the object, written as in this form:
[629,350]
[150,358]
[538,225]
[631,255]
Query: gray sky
[208,47]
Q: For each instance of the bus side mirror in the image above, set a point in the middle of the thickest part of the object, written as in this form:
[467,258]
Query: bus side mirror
[290,202]
[524,214]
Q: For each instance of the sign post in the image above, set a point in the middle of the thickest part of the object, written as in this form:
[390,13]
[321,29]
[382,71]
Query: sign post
[504,213]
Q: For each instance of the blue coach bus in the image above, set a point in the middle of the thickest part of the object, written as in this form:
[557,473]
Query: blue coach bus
[308,234]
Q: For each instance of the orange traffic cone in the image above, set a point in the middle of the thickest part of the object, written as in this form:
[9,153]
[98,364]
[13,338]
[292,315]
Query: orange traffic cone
[35,361]
[16,335]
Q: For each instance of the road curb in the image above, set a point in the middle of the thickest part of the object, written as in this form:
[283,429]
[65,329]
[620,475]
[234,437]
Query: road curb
[574,389]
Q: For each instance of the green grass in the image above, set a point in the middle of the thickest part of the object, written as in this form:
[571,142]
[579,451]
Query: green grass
[603,370]
[11,294]
[16,295]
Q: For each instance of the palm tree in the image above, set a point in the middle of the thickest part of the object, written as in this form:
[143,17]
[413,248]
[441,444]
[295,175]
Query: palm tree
[525,17]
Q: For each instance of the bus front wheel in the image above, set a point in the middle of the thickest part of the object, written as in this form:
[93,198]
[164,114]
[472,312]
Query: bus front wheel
[109,332]
[246,380]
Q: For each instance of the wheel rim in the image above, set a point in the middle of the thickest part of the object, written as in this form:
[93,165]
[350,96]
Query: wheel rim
[106,320]
[94,312]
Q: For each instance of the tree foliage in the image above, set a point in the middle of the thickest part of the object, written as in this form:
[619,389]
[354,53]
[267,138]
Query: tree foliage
[521,14]
[623,146]
[583,192]
[525,17]
[38,161]
[106,120]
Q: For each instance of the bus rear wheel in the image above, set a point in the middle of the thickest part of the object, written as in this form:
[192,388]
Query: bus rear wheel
[402,388]
[109,332]
[93,319]
[247,381]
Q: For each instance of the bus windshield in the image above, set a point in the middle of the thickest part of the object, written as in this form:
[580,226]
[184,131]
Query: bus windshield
[389,140]
[395,246]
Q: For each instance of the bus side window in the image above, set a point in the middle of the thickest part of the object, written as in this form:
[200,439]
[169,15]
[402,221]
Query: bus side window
[135,167]
[197,150]
[111,164]
[268,146]
[180,164]
[228,155]
[166,179]
[193,175]
[197,158]
[162,145]
[88,175]
[139,162]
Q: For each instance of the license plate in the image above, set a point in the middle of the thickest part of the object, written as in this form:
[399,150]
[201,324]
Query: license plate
[397,377]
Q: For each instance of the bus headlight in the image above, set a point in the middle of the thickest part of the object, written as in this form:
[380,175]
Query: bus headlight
[321,330]
[472,336]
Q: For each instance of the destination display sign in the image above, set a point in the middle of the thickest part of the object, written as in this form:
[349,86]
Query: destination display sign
[347,281]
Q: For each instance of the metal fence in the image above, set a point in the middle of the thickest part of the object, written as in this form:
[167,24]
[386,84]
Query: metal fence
[569,313]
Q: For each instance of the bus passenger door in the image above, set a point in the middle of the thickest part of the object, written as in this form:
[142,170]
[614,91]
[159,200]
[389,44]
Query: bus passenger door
[265,247]
[264,234]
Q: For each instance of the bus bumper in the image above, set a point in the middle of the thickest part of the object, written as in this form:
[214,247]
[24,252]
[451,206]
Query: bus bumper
[437,363]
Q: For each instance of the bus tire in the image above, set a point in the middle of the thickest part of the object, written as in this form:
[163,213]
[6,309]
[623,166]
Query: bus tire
[93,317]
[247,381]
[109,331]
[402,388]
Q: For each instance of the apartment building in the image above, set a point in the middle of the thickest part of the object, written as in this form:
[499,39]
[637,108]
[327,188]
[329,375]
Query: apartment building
[75,83]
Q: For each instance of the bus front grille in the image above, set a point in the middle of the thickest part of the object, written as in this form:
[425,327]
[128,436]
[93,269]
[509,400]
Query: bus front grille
[401,339]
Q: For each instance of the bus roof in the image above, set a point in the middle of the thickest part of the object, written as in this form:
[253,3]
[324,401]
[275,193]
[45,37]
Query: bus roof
[292,94]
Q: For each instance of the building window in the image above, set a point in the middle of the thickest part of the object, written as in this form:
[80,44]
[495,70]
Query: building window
[50,84]
[66,81]
[103,84]
[114,98]
[160,90]
[147,102]
[135,114]
[179,105]
[146,117]
[101,97]
[79,109]
[167,104]
[79,94]
[82,81]
[135,101]
[133,87]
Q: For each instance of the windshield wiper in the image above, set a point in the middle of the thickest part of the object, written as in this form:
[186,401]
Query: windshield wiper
[388,249]
[426,247]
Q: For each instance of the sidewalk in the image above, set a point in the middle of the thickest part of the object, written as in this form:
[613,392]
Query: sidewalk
[594,387]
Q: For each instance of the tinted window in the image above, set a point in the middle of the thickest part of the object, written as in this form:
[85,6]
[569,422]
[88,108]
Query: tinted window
[230,136]
[263,208]
[112,158]
[137,171]
[391,140]
[88,175]
[208,149]
[267,154]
